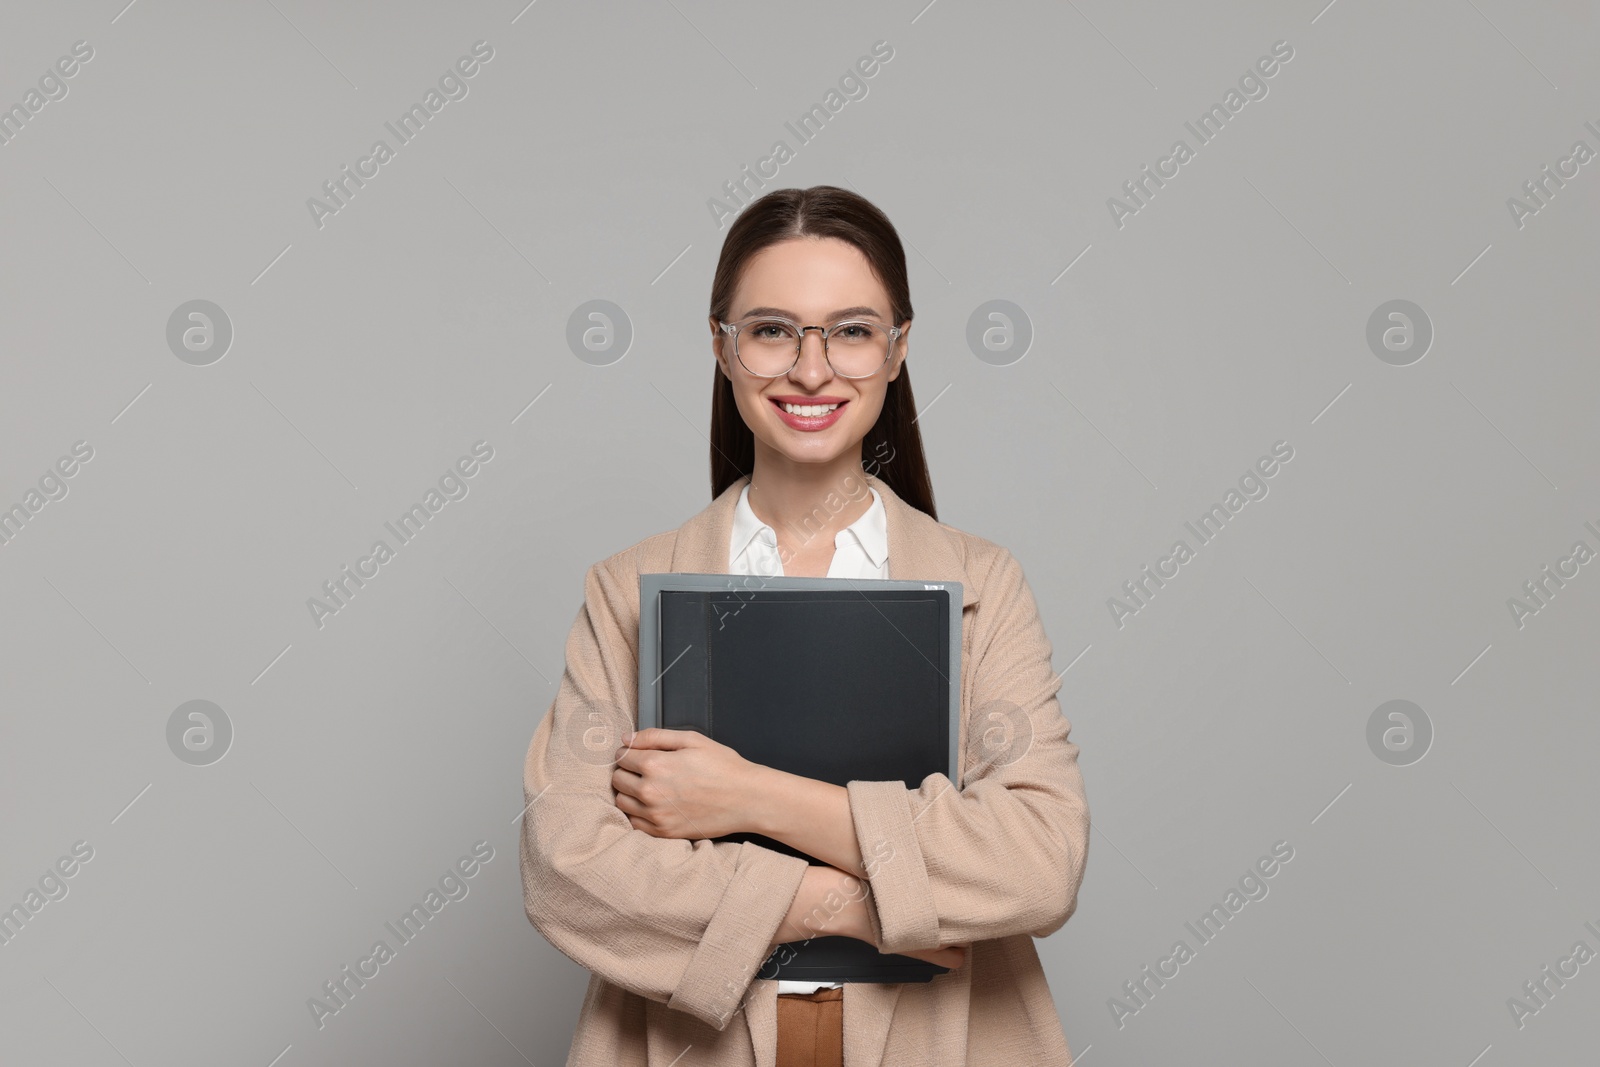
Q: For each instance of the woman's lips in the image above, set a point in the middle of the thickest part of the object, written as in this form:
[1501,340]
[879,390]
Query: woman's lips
[812,423]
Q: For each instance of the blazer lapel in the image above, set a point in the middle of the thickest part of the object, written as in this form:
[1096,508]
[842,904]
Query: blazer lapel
[919,548]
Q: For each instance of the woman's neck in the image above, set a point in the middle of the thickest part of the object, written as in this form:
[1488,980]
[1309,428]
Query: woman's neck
[807,504]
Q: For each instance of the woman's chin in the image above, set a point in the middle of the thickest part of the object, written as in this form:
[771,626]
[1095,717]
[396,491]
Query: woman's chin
[813,453]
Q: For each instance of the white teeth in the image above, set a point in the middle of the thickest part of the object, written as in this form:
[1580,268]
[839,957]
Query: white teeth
[809,409]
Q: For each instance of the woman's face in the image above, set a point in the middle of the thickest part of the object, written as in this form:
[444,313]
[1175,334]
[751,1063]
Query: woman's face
[814,281]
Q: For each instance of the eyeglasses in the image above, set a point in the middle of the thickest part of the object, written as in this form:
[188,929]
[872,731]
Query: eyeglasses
[771,346]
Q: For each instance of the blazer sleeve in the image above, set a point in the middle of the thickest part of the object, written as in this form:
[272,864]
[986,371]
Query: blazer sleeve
[1006,854]
[685,923]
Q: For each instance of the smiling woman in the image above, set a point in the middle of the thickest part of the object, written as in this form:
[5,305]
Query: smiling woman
[809,321]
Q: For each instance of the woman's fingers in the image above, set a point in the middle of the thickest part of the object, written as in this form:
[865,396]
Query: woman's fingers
[626,781]
[662,737]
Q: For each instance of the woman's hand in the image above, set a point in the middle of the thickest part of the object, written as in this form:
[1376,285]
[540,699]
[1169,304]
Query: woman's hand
[682,784]
[839,902]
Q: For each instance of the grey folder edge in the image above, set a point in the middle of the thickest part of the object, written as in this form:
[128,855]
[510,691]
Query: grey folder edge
[838,679]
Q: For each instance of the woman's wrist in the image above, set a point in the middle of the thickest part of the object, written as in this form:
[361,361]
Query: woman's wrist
[803,813]
[848,899]
[829,903]
[763,815]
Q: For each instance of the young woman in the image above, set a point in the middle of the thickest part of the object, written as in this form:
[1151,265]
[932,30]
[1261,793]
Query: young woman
[817,468]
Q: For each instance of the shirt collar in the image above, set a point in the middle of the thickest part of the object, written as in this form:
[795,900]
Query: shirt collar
[871,530]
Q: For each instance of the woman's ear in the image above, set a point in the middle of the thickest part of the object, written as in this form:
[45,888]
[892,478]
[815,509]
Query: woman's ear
[901,347]
[718,339]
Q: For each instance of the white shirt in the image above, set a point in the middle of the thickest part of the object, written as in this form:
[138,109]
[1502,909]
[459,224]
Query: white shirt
[860,550]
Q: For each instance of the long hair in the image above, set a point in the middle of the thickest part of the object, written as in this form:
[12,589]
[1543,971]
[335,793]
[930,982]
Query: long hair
[892,449]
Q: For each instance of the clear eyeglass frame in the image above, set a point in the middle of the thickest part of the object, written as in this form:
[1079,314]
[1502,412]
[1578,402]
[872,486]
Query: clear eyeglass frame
[732,330]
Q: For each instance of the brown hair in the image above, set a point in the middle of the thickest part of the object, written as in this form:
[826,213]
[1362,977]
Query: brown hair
[894,444]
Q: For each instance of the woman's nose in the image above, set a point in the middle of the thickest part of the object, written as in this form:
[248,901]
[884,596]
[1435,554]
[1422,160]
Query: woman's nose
[813,362]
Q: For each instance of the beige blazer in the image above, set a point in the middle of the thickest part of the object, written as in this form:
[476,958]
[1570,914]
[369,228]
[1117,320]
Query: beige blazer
[674,932]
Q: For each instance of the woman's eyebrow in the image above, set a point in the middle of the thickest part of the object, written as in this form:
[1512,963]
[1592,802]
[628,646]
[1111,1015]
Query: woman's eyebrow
[842,313]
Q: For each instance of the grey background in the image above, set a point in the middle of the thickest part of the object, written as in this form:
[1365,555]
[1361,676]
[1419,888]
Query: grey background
[368,355]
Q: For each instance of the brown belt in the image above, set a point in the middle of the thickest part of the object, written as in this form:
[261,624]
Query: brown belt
[811,1028]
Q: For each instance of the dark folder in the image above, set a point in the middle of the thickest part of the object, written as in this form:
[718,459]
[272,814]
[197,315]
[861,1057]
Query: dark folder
[835,679]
